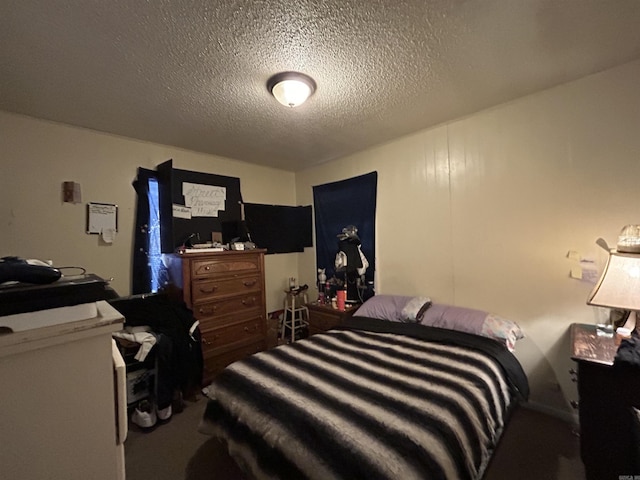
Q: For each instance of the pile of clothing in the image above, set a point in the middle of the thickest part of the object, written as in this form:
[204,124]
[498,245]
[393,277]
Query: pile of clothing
[168,339]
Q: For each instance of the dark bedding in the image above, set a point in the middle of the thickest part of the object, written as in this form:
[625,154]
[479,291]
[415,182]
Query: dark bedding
[373,399]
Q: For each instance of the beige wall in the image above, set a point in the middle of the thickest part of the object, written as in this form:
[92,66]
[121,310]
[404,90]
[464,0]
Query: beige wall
[482,212]
[37,156]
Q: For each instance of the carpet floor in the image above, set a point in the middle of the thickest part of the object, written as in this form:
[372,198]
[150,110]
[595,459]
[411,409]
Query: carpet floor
[534,446]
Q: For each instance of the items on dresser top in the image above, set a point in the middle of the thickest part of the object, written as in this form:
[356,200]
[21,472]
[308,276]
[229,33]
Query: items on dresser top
[29,271]
[225,291]
[68,291]
[28,306]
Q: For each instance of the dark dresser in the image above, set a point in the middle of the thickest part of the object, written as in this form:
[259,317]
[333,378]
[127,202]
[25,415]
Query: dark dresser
[607,395]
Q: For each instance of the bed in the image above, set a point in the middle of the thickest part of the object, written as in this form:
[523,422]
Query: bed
[373,398]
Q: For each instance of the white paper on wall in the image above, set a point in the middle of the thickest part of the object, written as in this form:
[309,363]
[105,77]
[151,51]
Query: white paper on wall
[180,211]
[204,200]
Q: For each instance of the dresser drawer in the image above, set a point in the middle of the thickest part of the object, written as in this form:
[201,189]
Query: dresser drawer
[240,305]
[218,267]
[203,290]
[214,337]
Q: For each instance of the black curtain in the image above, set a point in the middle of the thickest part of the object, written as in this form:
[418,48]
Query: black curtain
[174,231]
[141,281]
[343,203]
[278,228]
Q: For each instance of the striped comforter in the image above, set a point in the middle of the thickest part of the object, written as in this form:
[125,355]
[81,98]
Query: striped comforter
[373,400]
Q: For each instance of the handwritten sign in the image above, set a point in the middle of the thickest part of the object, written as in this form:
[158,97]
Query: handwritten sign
[102,217]
[204,200]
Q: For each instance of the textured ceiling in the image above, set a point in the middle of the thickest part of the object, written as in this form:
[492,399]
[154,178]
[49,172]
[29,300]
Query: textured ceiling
[193,73]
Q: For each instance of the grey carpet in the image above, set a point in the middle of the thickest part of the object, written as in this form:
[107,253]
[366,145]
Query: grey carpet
[534,447]
[175,450]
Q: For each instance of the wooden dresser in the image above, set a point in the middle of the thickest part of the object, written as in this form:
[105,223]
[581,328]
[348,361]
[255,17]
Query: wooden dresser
[225,290]
[608,439]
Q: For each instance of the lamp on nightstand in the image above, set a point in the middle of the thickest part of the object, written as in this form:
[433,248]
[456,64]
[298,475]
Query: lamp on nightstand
[619,285]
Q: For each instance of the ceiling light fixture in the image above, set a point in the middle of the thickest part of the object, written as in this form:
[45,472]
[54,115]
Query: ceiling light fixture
[291,89]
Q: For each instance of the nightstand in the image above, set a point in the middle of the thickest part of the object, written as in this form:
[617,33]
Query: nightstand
[606,397]
[324,317]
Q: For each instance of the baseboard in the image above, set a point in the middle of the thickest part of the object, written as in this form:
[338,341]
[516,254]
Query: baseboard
[563,415]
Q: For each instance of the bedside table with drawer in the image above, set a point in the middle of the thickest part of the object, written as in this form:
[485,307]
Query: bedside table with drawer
[325,317]
[607,394]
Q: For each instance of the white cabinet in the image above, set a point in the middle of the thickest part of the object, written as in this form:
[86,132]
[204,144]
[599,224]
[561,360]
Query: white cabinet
[58,407]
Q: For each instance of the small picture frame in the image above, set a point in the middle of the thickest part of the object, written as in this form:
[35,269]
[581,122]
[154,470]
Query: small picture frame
[101,217]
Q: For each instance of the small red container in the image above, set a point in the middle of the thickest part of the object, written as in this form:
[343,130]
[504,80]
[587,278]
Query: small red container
[342,297]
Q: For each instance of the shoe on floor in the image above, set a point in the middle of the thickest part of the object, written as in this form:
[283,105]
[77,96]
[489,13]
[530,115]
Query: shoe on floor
[144,415]
[164,413]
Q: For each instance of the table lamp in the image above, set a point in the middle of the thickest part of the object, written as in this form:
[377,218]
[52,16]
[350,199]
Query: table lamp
[619,285]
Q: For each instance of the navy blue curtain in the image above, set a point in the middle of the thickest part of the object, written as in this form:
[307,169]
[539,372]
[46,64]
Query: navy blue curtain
[141,281]
[343,203]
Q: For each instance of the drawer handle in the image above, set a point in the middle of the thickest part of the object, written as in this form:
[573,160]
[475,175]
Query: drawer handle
[207,268]
[210,289]
[250,302]
[574,375]
[250,283]
[252,329]
[207,311]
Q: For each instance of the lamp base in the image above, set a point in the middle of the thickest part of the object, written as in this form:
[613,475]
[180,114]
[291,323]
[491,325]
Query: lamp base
[631,321]
[604,330]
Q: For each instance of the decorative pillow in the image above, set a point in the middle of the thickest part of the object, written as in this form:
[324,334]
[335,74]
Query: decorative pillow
[473,321]
[504,330]
[414,310]
[395,308]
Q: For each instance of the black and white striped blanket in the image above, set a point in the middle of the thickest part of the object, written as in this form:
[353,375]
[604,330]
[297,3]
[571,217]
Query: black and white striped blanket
[363,403]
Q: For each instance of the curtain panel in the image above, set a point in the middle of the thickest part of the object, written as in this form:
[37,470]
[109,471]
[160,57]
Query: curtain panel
[340,204]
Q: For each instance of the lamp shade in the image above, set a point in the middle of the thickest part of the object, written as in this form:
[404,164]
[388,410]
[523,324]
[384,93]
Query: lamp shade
[291,89]
[619,285]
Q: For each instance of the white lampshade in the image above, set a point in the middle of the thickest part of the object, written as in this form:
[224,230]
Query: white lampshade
[619,285]
[291,89]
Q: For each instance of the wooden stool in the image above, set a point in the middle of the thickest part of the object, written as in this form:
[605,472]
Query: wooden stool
[296,313]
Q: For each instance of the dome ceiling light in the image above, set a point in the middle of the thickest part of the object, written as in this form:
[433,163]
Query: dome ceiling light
[291,89]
